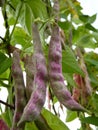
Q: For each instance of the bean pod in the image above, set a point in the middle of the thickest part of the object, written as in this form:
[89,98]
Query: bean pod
[55,72]
[29,69]
[20,97]
[37,99]
[55,68]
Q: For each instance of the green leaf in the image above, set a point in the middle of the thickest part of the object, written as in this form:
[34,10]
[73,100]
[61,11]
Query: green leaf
[84,18]
[92,61]
[5,63]
[38,8]
[83,38]
[28,19]
[5,75]
[78,33]
[3,84]
[29,11]
[65,25]
[76,20]
[11,19]
[53,121]
[95,35]
[90,120]
[6,118]
[20,37]
[94,102]
[87,41]
[14,3]
[69,63]
[92,18]
[25,17]
[2,57]
[21,18]
[30,126]
[93,80]
[69,78]
[71,116]
[90,27]
[87,18]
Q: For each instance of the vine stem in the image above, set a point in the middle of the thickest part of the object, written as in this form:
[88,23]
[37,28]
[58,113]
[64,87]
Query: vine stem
[6,104]
[53,107]
[2,38]
[18,14]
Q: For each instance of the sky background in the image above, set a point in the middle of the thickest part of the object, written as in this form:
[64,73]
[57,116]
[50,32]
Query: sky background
[90,7]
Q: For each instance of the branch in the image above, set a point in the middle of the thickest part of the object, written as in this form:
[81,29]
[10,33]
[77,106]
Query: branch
[3,84]
[6,104]
[2,38]
[11,6]
[16,19]
[53,107]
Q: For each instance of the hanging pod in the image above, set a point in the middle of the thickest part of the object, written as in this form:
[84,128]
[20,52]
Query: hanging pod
[55,67]
[55,72]
[37,99]
[19,87]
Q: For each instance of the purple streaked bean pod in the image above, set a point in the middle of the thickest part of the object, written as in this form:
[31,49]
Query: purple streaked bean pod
[20,97]
[37,99]
[40,122]
[55,68]
[55,72]
[29,69]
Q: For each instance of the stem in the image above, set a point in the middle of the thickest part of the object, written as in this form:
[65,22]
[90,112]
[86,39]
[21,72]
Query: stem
[4,13]
[1,109]
[4,79]
[3,84]
[11,6]
[84,126]
[18,14]
[52,102]
[2,38]
[6,104]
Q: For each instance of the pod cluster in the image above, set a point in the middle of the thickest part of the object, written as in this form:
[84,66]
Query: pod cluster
[30,99]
